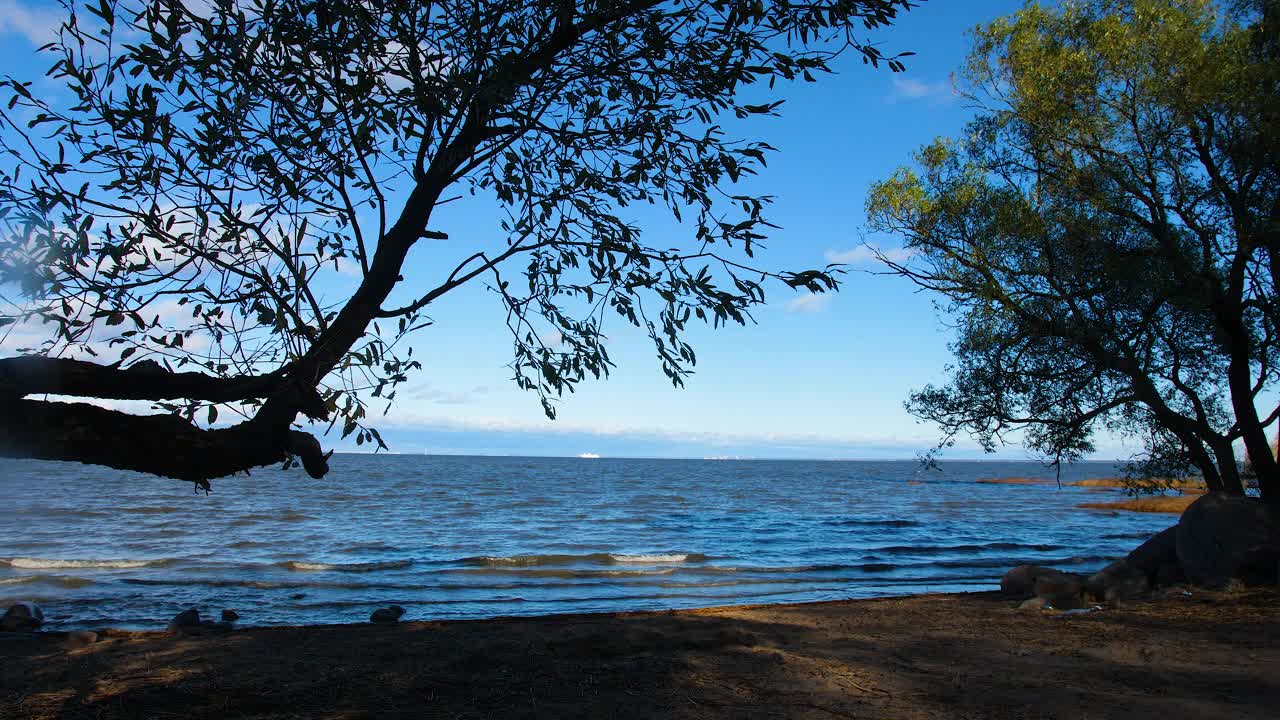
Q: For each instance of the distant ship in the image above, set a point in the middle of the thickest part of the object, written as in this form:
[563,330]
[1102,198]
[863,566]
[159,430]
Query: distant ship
[589,456]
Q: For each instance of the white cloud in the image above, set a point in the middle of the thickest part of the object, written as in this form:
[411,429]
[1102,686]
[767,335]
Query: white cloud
[866,253]
[809,303]
[38,25]
[905,88]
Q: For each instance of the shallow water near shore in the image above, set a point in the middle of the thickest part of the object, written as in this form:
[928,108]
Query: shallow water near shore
[468,537]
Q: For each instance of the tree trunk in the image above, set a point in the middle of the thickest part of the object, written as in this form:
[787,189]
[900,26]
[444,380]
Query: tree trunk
[1228,471]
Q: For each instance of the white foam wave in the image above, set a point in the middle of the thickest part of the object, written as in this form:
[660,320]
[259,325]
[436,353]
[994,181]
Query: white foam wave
[663,558]
[588,559]
[26,563]
[345,567]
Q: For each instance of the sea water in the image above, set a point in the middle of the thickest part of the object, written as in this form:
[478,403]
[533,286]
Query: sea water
[469,537]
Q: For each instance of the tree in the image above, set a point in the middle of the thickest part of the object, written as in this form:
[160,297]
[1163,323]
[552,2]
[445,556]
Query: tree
[1106,235]
[175,217]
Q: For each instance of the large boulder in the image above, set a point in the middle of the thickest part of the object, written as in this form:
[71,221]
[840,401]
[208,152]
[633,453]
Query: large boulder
[1152,564]
[22,617]
[1222,538]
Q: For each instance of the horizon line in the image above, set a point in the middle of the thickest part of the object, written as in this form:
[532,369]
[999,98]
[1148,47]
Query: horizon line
[708,458]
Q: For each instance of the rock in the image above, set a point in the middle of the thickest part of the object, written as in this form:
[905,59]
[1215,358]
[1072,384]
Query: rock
[387,614]
[1021,581]
[230,616]
[1152,564]
[1062,590]
[1035,603]
[79,638]
[214,626]
[1221,538]
[1170,573]
[185,621]
[1118,581]
[22,617]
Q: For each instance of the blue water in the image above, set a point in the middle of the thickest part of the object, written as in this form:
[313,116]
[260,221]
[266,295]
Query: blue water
[466,537]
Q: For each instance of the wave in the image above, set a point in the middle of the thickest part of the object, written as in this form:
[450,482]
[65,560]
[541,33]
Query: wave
[586,559]
[286,516]
[26,563]
[942,549]
[153,510]
[368,547]
[59,580]
[560,572]
[862,522]
[65,512]
[344,567]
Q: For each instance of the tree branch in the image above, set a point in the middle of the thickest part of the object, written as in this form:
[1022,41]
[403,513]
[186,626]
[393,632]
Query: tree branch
[147,380]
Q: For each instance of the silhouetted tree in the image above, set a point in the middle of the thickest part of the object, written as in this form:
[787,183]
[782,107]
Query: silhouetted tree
[175,216]
[1107,235]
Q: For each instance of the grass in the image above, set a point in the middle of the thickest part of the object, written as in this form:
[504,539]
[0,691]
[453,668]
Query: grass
[1159,504]
[1179,484]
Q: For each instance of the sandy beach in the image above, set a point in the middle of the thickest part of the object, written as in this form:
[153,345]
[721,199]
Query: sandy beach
[1203,654]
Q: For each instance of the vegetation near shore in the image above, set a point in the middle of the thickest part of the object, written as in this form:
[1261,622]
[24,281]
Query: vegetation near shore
[1173,504]
[1104,235]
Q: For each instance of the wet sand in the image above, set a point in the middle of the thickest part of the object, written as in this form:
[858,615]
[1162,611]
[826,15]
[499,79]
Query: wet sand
[1203,655]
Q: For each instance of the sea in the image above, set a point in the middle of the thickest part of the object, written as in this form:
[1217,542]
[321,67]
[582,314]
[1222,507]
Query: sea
[451,537]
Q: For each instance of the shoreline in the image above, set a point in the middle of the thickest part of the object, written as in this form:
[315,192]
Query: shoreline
[1205,654]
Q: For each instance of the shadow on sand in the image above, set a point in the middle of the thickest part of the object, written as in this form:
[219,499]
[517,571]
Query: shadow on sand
[934,656]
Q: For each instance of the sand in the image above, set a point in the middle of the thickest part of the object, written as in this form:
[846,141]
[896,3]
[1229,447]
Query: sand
[1204,655]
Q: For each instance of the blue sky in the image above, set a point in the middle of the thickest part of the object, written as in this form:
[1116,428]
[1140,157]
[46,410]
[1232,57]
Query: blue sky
[817,377]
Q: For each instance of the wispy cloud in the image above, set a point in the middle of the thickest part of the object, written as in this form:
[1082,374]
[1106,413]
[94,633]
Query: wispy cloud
[552,338]
[422,394]
[809,303]
[409,419]
[866,254]
[39,25]
[906,89]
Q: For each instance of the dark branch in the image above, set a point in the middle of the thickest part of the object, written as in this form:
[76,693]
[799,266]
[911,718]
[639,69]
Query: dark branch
[147,380]
[160,444]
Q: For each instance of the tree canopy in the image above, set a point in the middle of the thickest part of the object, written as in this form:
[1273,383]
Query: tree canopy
[1106,235]
[172,214]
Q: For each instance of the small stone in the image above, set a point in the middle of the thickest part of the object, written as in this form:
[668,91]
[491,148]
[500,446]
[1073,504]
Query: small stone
[1035,603]
[387,615]
[1064,591]
[22,617]
[79,638]
[1021,581]
[214,626]
[185,621]
[229,616]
